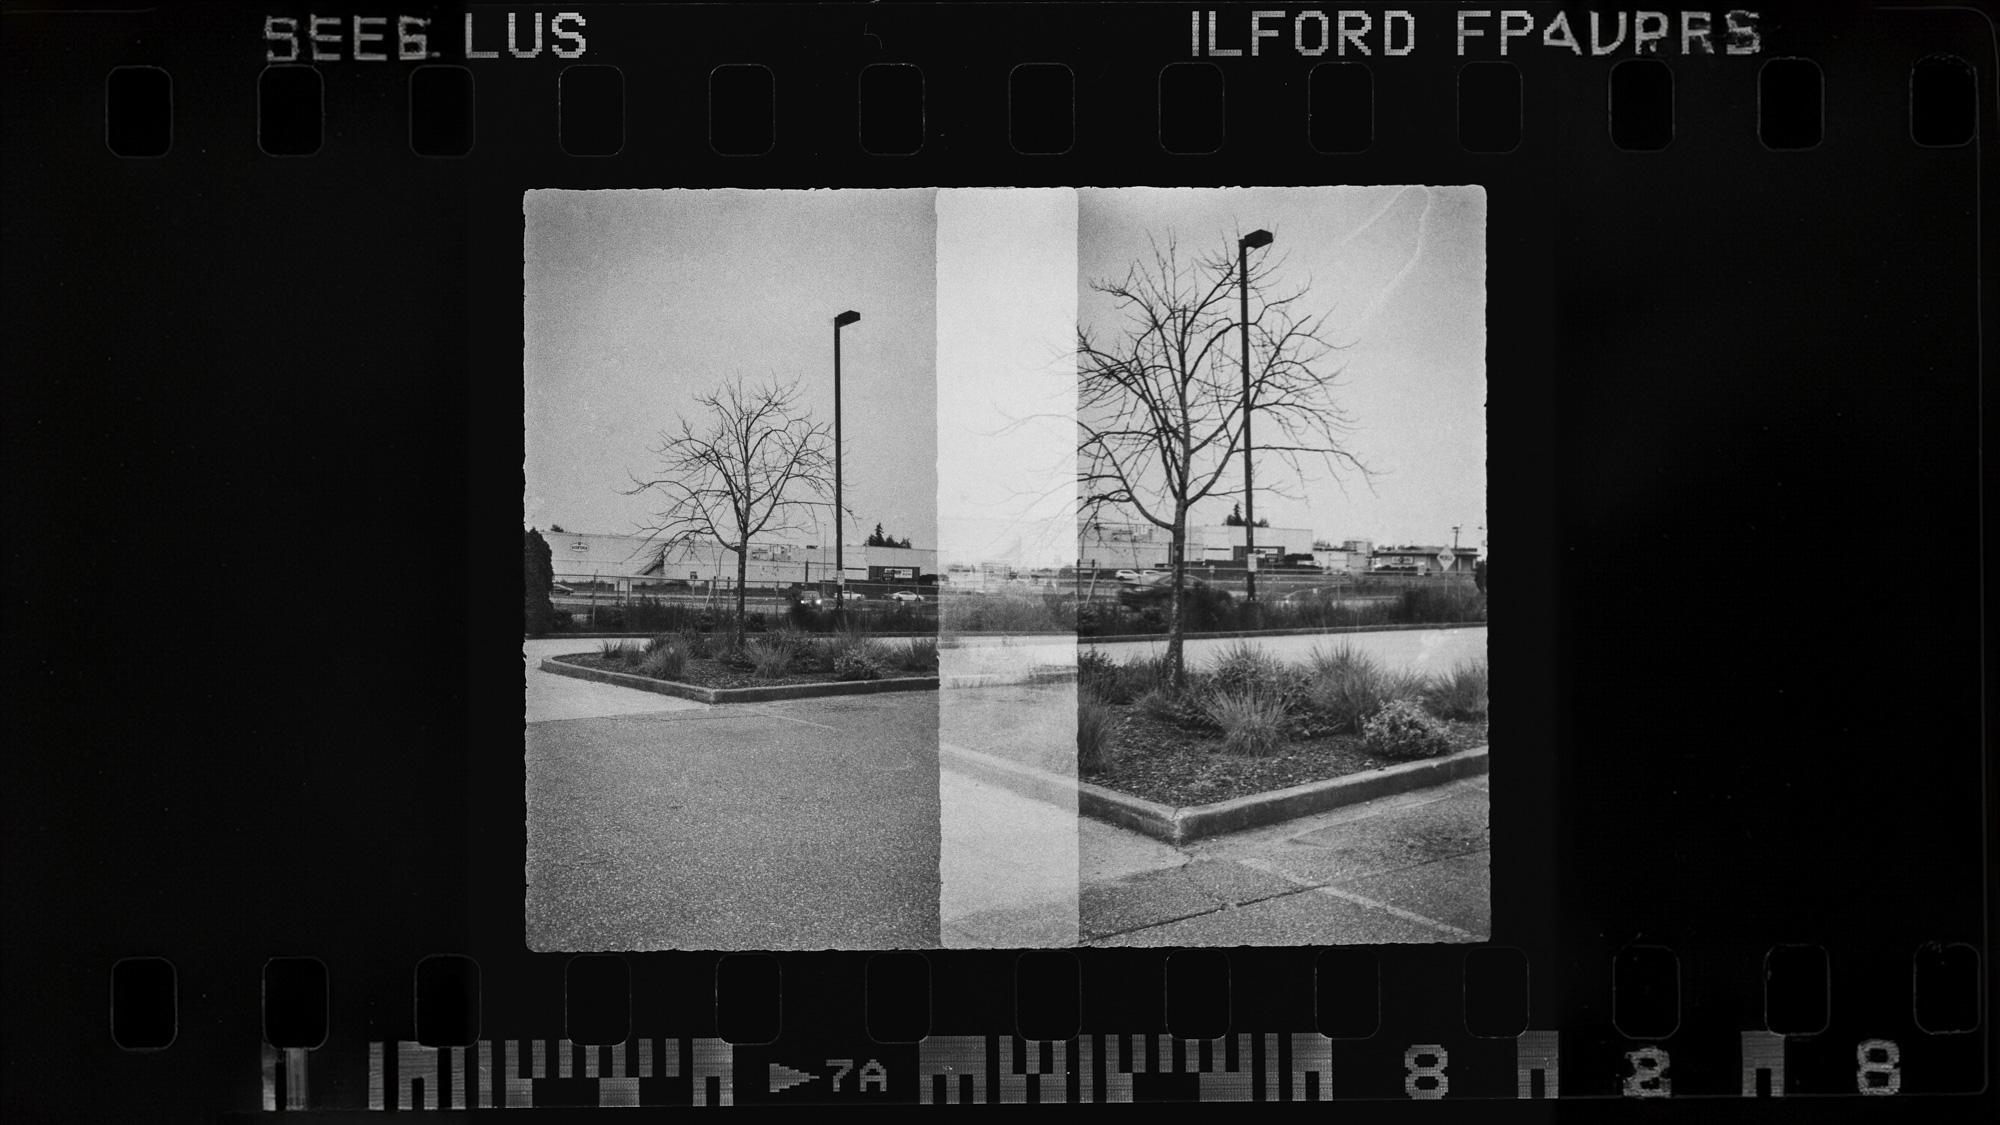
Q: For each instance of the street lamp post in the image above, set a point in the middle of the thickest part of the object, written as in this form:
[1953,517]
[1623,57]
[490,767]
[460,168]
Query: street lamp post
[839,558]
[1256,239]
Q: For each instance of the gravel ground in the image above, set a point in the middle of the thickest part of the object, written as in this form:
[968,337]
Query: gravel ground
[1179,768]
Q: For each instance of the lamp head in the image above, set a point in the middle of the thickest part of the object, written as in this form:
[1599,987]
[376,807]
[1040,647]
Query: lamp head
[1255,240]
[846,318]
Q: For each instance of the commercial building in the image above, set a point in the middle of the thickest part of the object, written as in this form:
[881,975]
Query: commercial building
[1142,546]
[1422,560]
[632,562]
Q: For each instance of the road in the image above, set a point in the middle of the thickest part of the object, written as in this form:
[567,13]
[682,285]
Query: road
[658,823]
[1419,649]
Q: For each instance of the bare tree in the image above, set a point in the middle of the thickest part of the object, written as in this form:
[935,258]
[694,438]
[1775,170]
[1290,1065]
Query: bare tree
[739,478]
[1161,410]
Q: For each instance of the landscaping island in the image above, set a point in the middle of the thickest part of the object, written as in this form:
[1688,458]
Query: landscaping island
[1250,724]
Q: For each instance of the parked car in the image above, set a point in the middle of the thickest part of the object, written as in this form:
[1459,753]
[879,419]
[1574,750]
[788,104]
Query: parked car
[906,597]
[1127,576]
[559,588]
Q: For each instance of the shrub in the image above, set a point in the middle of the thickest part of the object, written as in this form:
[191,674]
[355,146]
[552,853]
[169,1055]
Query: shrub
[1460,694]
[920,655]
[1184,708]
[1098,673]
[1252,723]
[1345,690]
[1403,729]
[1247,669]
[769,657]
[658,641]
[1096,724]
[1437,604]
[692,643]
[538,612]
[623,651]
[1137,677]
[856,664]
[664,663]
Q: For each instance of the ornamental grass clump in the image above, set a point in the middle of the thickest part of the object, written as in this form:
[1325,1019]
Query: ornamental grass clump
[1403,729]
[920,655]
[664,663]
[769,657]
[1460,694]
[856,657]
[1253,724]
[1096,726]
[1345,688]
[619,651]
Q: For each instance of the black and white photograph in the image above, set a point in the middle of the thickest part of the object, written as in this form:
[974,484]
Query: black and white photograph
[729,552]
[1280,573]
[1005,568]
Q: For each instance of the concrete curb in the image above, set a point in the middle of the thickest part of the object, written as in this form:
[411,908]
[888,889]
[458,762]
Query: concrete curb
[555,666]
[1181,826]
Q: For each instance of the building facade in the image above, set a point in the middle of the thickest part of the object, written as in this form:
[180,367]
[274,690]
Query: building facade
[632,562]
[1142,546]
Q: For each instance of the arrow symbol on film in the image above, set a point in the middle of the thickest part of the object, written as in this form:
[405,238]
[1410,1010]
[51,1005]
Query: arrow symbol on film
[784,1077]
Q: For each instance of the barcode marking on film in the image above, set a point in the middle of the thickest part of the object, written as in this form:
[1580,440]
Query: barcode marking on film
[1763,1064]
[292,1062]
[1535,1064]
[419,1068]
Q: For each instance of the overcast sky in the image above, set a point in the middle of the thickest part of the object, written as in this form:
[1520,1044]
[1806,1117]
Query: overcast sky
[958,383]
[1402,270]
[636,301]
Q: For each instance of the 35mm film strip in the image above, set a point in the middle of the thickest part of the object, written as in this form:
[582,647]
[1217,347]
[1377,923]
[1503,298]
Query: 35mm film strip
[302,301]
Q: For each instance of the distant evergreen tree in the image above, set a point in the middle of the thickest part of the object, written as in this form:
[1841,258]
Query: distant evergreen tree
[537,583]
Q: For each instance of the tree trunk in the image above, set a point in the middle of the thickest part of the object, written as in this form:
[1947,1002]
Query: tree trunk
[742,573]
[1177,563]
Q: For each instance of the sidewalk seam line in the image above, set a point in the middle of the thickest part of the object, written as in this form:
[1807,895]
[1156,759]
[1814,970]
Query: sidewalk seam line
[1268,868]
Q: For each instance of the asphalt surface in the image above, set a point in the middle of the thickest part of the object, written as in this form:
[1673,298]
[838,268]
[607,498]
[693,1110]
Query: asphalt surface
[657,823]
[660,823]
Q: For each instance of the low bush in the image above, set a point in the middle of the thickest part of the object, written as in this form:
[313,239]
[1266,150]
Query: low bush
[1098,673]
[1253,723]
[1186,707]
[1096,726]
[694,644]
[1461,694]
[1345,689]
[620,651]
[920,655]
[1244,668]
[1403,729]
[664,663]
[769,657]
[856,664]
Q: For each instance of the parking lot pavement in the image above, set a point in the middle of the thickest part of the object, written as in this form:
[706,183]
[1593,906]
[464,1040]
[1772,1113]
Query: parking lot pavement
[1413,867]
[659,823]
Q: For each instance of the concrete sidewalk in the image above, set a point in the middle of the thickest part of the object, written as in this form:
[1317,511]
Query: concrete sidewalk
[1413,867]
